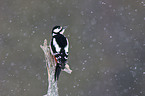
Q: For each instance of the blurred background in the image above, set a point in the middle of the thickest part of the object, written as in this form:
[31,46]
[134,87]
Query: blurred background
[107,46]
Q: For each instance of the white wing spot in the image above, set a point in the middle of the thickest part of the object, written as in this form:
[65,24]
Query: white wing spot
[66,48]
[57,48]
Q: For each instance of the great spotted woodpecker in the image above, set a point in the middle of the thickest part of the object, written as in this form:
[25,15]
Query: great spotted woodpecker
[59,49]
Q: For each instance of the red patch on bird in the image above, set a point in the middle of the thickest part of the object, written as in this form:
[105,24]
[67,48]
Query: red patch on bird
[55,59]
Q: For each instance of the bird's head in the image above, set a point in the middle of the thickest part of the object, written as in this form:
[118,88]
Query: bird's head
[58,30]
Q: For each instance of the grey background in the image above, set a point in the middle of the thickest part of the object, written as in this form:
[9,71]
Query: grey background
[107,46]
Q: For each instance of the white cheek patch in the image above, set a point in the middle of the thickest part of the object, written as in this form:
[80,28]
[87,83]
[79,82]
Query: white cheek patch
[56,46]
[57,30]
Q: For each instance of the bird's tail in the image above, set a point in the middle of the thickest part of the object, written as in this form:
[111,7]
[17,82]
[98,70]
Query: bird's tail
[57,72]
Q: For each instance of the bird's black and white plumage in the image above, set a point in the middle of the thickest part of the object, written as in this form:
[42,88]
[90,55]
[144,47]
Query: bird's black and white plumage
[59,48]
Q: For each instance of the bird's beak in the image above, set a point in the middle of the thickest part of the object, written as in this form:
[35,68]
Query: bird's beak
[64,27]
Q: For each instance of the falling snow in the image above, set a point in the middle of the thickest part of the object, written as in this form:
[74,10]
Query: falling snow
[107,42]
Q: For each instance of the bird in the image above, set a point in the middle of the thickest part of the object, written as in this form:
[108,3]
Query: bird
[59,46]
